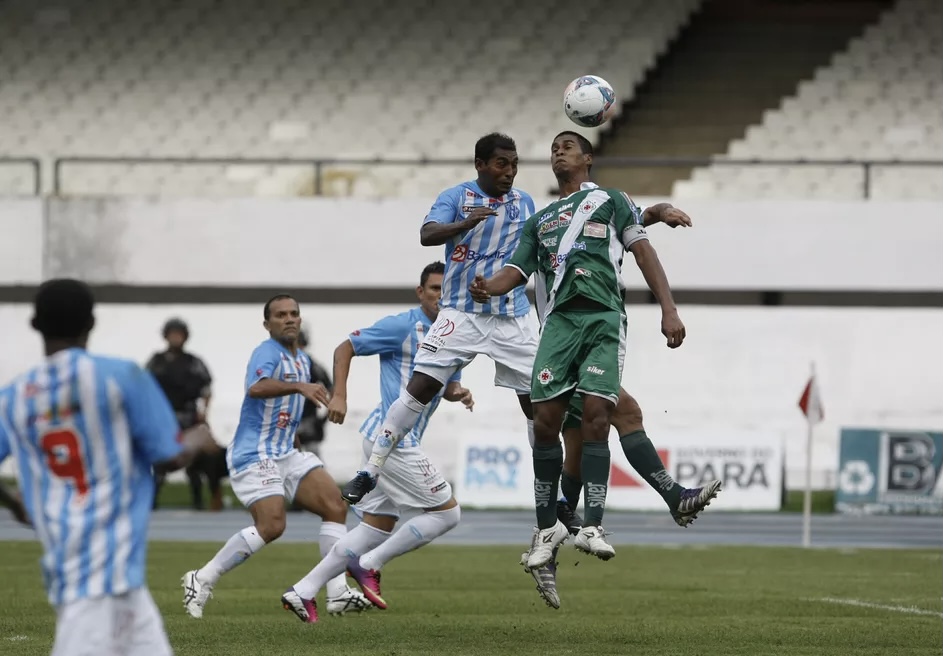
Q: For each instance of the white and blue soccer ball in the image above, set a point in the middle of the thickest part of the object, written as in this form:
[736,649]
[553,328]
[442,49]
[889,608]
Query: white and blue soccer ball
[589,101]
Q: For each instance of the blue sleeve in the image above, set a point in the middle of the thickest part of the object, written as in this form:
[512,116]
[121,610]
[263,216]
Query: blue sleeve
[153,425]
[385,336]
[262,364]
[446,207]
[5,438]
[456,377]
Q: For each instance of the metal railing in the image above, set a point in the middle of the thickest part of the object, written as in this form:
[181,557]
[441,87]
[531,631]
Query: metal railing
[318,165]
[33,163]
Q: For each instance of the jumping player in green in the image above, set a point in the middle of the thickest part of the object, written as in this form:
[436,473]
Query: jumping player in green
[576,246]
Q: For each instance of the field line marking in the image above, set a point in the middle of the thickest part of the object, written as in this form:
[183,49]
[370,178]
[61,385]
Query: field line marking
[910,610]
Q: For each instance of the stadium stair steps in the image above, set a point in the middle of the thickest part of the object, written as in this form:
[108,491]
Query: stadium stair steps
[733,61]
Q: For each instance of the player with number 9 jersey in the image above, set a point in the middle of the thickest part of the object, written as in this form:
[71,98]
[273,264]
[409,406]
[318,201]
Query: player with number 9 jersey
[86,432]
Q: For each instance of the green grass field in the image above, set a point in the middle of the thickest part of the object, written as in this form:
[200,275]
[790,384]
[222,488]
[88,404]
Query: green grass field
[474,600]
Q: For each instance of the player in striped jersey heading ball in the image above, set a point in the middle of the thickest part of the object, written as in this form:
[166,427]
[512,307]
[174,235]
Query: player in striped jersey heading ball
[87,433]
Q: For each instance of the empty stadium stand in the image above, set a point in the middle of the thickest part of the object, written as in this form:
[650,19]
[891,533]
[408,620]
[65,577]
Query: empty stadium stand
[299,79]
[880,99]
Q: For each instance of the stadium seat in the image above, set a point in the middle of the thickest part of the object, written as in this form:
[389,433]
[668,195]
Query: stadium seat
[880,100]
[302,80]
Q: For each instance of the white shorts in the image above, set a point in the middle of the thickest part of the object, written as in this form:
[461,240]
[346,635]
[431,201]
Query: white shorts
[269,478]
[408,482]
[127,624]
[457,337]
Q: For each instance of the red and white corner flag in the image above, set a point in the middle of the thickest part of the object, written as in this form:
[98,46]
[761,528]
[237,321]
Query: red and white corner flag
[811,403]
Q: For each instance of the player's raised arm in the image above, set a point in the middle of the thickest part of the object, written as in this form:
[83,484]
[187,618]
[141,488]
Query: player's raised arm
[386,335]
[444,219]
[665,213]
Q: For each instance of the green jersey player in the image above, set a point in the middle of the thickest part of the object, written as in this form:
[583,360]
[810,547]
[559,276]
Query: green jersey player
[575,246]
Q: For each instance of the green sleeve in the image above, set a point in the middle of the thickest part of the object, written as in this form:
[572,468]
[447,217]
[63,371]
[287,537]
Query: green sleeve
[525,256]
[627,219]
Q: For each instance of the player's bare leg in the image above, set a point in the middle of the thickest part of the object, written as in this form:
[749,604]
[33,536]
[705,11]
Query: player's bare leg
[597,416]
[548,464]
[400,419]
[268,517]
[317,493]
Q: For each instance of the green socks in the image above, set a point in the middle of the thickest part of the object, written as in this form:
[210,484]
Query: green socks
[548,464]
[595,465]
[571,489]
[641,454]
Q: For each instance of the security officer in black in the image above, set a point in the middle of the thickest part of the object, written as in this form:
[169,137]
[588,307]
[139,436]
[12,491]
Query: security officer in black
[186,382]
[313,417]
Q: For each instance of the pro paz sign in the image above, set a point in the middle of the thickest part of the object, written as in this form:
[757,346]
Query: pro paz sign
[890,471]
[495,472]
[749,464]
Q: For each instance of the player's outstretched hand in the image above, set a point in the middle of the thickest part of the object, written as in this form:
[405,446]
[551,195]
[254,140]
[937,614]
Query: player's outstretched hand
[478,290]
[673,217]
[466,398]
[478,215]
[673,329]
[316,393]
[337,410]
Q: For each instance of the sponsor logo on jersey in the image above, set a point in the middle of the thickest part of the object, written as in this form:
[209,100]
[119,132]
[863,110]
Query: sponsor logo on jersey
[550,242]
[463,253]
[468,208]
[568,206]
[545,217]
[595,370]
[559,222]
[593,229]
[583,272]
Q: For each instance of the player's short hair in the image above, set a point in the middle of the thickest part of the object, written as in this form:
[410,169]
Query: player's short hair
[488,144]
[435,267]
[63,309]
[176,324]
[585,146]
[267,310]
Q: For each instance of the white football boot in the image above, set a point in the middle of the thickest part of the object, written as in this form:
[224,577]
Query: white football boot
[592,540]
[544,543]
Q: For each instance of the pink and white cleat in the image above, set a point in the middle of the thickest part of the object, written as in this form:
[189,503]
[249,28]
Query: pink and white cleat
[369,582]
[305,610]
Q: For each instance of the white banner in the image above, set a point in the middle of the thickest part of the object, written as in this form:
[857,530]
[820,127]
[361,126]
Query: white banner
[496,471]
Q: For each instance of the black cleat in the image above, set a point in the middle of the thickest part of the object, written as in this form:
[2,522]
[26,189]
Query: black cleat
[358,487]
[569,517]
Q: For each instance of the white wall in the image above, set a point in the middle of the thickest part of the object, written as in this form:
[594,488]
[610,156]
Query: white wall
[356,243]
[740,369]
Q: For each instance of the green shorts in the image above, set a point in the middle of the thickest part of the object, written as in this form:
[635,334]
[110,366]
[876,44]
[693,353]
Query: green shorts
[580,351]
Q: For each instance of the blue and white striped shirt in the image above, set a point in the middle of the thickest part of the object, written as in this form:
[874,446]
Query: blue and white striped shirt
[396,339]
[482,250]
[267,427]
[85,431]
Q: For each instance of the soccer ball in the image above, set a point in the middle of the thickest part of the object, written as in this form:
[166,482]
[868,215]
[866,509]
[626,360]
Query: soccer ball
[588,101]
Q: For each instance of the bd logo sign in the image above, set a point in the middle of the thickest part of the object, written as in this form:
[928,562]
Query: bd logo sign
[492,467]
[883,471]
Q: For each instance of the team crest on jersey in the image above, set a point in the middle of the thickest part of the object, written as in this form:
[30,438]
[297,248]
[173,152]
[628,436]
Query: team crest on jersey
[545,377]
[513,211]
[566,216]
[589,206]
[283,419]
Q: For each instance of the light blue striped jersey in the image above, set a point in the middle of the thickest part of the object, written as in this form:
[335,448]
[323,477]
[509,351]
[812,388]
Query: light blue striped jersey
[85,431]
[482,250]
[267,427]
[396,339]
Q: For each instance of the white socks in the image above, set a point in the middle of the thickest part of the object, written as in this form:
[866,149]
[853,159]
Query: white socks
[331,533]
[530,433]
[400,419]
[421,529]
[360,540]
[235,552]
